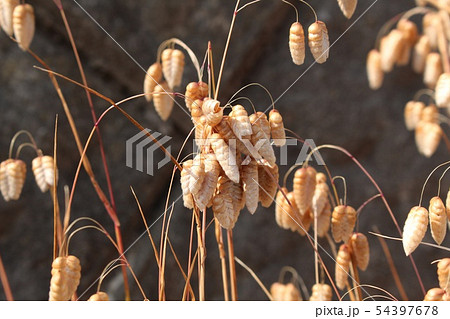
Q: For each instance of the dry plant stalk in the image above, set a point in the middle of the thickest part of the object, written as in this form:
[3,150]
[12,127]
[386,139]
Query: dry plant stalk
[297,43]
[321,292]
[23,25]
[438,219]
[66,274]
[99,296]
[414,229]
[342,266]
[282,292]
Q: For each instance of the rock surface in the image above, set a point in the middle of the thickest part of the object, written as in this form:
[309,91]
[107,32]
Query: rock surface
[329,103]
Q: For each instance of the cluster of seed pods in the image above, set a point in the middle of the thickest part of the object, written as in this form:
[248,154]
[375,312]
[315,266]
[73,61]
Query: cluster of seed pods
[66,274]
[425,49]
[17,19]
[443,292]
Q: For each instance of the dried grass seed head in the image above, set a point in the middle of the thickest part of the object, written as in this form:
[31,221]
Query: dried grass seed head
[428,136]
[342,266]
[420,53]
[443,272]
[415,227]
[318,41]
[434,294]
[286,215]
[240,122]
[99,296]
[163,100]
[391,48]
[4,185]
[297,43]
[343,221]
[250,185]
[413,114]
[173,66]
[223,206]
[152,78]
[260,138]
[361,250]
[324,221]
[304,186]
[213,112]
[197,174]
[23,25]
[410,32]
[184,181]
[66,274]
[195,91]
[430,25]
[438,219]
[321,292]
[282,292]
[348,7]
[268,184]
[375,73]
[277,128]
[433,69]
[225,156]
[6,15]
[208,187]
[16,171]
[320,197]
[442,94]
[44,172]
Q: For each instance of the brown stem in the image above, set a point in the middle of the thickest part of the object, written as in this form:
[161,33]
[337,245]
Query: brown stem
[355,281]
[5,282]
[232,265]
[222,256]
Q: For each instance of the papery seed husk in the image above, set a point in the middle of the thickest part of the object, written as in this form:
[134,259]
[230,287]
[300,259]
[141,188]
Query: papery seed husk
[240,122]
[44,172]
[391,48]
[415,227]
[360,249]
[413,114]
[213,112]
[223,206]
[4,185]
[318,41]
[342,266]
[288,292]
[225,156]
[348,7]
[433,69]
[374,69]
[277,128]
[260,138]
[442,94]
[99,296]
[197,174]
[195,91]
[23,25]
[431,22]
[443,272]
[321,292]
[434,294]
[66,274]
[297,43]
[6,15]
[286,216]
[16,171]
[172,66]
[304,186]
[420,53]
[343,221]
[163,100]
[184,181]
[250,184]
[324,221]
[428,136]
[152,78]
[268,184]
[206,191]
[438,219]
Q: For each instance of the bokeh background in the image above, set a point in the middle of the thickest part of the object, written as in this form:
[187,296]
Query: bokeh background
[329,103]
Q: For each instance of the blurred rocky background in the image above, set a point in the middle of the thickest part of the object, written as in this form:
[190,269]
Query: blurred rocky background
[329,103]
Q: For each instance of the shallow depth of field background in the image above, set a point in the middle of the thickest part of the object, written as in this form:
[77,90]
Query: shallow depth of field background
[331,103]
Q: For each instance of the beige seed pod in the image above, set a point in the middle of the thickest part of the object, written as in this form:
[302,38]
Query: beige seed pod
[184,181]
[434,294]
[260,138]
[320,197]
[443,271]
[152,78]
[239,121]
[44,172]
[4,185]
[442,94]
[225,156]
[438,219]
[163,100]
[195,91]
[16,172]
[288,292]
[414,229]
[433,69]
[321,292]
[348,7]
[172,66]
[196,111]
[342,266]
[6,15]
[343,220]
[277,128]
[324,221]
[420,53]
[23,25]
[430,114]
[391,48]
[250,184]
[222,205]
[99,296]
[268,185]
[318,41]
[213,112]
[413,113]
[286,215]
[297,43]
[304,186]
[428,136]
[374,69]
[197,174]
[410,32]
[431,22]
[66,273]
[361,250]
[206,191]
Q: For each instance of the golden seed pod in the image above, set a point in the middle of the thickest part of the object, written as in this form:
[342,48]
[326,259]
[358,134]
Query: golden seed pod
[434,294]
[15,173]
[66,274]
[348,7]
[196,111]
[261,137]
[391,48]
[442,94]
[6,15]
[320,197]
[288,292]
[414,229]
[213,112]
[374,69]
[225,156]
[195,91]
[286,215]
[430,114]
[44,172]
[268,184]
[250,185]
[99,296]
[304,186]
[433,69]
[23,25]
[224,206]
[277,128]
[239,121]
[152,78]
[206,191]
[172,66]
[443,271]
[343,221]
[197,174]
[324,221]
[4,185]
[321,292]
[297,43]
[318,41]
[428,136]
[438,219]
[184,181]
[163,100]
[420,53]
[361,250]
[342,266]
[409,29]
[413,114]
[431,25]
